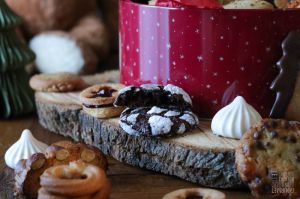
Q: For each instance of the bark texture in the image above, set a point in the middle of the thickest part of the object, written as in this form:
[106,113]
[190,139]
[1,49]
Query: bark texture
[205,167]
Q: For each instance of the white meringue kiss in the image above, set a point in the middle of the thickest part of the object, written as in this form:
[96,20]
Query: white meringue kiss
[235,119]
[26,146]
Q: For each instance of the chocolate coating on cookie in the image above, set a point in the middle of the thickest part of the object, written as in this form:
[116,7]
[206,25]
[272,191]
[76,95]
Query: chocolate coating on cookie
[153,95]
[271,147]
[285,82]
[157,121]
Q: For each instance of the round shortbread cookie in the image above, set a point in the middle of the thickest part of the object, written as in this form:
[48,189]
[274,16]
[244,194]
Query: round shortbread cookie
[58,82]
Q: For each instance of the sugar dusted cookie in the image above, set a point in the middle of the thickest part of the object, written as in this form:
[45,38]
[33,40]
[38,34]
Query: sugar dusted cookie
[157,121]
[58,82]
[153,95]
[267,153]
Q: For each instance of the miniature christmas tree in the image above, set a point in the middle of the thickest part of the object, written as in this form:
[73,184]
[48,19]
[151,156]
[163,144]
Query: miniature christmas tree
[16,97]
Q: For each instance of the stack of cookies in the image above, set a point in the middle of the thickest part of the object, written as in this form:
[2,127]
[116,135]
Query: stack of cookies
[75,180]
[28,172]
[155,110]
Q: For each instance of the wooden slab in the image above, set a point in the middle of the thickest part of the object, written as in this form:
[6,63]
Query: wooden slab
[198,156]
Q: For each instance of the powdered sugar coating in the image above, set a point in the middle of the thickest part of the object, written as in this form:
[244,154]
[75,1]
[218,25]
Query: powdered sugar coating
[193,115]
[157,121]
[189,118]
[160,125]
[123,90]
[132,118]
[179,91]
[150,86]
[128,129]
[181,129]
[171,113]
[156,110]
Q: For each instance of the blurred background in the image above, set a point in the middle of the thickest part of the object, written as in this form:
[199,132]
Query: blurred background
[91,24]
[52,36]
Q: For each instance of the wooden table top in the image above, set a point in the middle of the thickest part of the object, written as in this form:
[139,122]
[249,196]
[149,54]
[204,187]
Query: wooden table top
[127,182]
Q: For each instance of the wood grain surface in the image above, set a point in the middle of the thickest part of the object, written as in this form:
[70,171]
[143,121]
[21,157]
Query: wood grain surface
[198,156]
[127,182]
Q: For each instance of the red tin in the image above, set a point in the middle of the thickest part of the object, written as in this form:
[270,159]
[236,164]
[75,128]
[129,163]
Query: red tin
[214,54]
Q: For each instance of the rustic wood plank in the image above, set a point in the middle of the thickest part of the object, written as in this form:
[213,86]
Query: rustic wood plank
[213,167]
[127,182]
[200,156]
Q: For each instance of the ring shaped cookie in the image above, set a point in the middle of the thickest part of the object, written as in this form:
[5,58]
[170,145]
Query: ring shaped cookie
[195,193]
[100,94]
[76,179]
[98,100]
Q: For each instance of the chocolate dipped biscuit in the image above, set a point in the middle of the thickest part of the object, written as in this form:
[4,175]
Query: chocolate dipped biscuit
[148,95]
[27,174]
[157,121]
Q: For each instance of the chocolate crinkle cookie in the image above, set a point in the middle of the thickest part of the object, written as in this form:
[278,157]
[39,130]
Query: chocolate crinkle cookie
[157,121]
[268,159]
[153,95]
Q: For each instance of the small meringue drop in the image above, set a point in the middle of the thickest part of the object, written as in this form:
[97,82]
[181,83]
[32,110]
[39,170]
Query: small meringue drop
[26,146]
[235,119]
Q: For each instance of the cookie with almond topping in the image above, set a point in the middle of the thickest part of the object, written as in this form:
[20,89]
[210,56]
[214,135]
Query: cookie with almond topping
[268,159]
[64,152]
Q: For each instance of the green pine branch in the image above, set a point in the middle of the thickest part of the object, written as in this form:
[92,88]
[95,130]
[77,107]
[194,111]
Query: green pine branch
[8,19]
[13,52]
[16,97]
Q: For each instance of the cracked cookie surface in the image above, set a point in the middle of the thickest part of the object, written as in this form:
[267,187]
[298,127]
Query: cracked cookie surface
[153,95]
[157,121]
